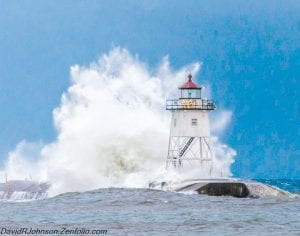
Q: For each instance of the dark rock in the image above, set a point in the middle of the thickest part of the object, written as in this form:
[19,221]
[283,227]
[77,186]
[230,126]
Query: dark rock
[225,189]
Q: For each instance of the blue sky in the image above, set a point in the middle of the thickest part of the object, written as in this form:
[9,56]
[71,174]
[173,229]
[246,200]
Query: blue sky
[250,52]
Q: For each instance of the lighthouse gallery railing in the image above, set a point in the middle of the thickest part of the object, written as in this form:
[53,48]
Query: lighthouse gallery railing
[190,104]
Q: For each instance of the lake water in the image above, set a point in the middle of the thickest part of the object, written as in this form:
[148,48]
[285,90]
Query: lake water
[151,212]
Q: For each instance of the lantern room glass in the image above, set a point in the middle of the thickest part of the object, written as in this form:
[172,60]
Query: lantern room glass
[190,93]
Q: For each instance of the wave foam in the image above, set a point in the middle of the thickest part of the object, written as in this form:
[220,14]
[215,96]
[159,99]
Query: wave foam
[112,128]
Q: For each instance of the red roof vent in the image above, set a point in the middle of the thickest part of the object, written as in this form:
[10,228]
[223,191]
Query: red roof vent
[189,84]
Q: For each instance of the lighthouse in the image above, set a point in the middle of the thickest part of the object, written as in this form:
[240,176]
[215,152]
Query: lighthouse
[190,146]
[189,140]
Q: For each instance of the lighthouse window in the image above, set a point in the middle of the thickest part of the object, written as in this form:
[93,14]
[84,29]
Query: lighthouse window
[194,122]
[174,122]
[191,93]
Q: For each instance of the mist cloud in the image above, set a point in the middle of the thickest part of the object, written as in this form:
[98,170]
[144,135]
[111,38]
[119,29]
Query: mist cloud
[112,128]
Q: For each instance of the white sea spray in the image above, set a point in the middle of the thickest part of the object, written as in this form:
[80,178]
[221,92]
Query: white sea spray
[112,129]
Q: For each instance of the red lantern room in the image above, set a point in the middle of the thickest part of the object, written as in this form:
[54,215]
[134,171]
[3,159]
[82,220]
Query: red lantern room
[190,98]
[190,90]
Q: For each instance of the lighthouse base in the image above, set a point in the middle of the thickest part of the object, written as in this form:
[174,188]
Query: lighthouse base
[221,187]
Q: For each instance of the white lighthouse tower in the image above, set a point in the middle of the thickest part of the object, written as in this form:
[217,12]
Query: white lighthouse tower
[189,141]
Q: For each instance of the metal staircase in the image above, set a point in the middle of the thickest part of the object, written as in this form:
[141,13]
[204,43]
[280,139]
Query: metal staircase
[188,143]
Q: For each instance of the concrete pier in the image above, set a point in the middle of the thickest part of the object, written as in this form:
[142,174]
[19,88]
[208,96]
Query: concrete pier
[221,187]
[23,190]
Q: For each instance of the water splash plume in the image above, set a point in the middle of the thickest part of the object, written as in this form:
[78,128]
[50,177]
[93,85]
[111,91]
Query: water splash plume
[112,128]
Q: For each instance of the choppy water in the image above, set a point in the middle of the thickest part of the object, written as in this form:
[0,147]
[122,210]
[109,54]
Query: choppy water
[150,212]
